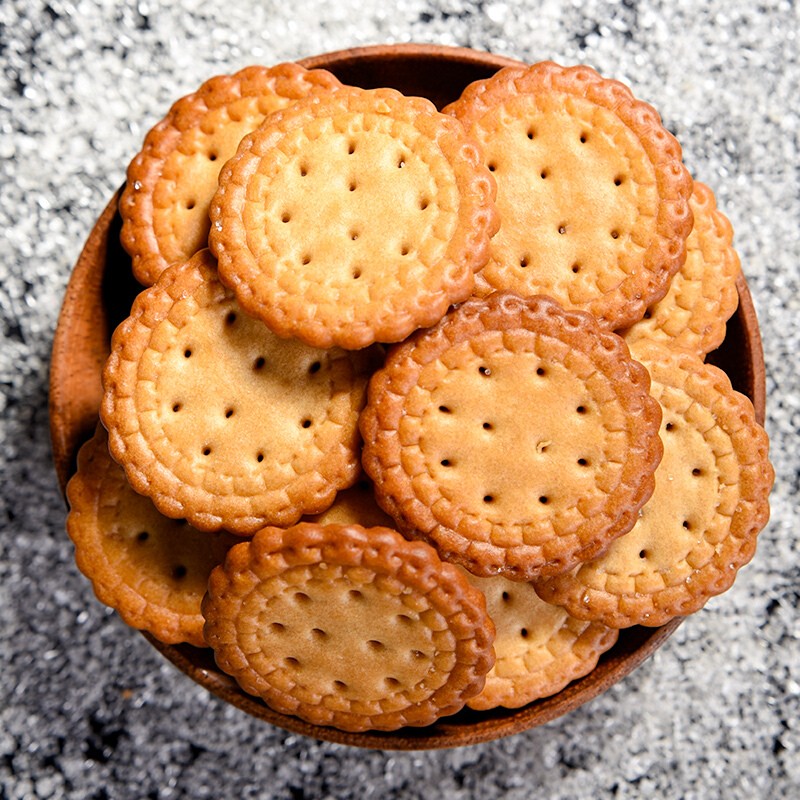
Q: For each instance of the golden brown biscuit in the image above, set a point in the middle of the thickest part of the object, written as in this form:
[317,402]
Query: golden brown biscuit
[164,206]
[151,569]
[516,437]
[539,648]
[220,421]
[702,295]
[353,217]
[348,626]
[591,190]
[701,523]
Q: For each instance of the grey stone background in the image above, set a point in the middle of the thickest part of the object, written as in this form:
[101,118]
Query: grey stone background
[87,708]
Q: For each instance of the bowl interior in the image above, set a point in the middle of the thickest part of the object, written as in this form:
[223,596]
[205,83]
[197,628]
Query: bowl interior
[99,296]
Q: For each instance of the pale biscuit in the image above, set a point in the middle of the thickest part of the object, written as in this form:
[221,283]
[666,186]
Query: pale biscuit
[702,295]
[516,437]
[591,190]
[700,525]
[220,421]
[353,217]
[539,648]
[164,206]
[152,570]
[346,626]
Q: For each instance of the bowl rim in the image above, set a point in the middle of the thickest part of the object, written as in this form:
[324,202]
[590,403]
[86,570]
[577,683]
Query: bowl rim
[77,358]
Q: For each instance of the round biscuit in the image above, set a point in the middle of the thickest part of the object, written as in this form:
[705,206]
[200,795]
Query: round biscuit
[151,569]
[591,189]
[164,205]
[539,648]
[516,437]
[702,295]
[218,420]
[700,526]
[346,626]
[353,217]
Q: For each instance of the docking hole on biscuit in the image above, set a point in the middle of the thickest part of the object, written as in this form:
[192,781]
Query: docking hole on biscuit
[277,627]
[531,133]
[541,372]
[228,413]
[206,451]
[485,371]
[301,597]
[176,407]
[487,426]
[523,262]
[314,367]
[392,683]
[306,423]
[424,203]
[318,633]
[179,572]
[543,174]
[643,554]
[374,644]
[562,229]
[187,353]
[523,632]
[258,364]
[355,594]
[506,597]
[142,536]
[259,457]
[230,318]
[576,268]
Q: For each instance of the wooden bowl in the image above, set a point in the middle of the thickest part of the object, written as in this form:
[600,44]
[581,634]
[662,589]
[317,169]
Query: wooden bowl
[99,296]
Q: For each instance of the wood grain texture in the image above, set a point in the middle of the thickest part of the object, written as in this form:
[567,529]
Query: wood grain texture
[99,295]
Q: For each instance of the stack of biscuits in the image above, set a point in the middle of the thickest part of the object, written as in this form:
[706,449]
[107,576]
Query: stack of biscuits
[414,412]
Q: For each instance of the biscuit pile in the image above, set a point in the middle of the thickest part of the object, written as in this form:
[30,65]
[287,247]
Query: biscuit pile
[374,432]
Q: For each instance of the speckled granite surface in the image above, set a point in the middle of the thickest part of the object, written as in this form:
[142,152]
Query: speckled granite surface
[87,708]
